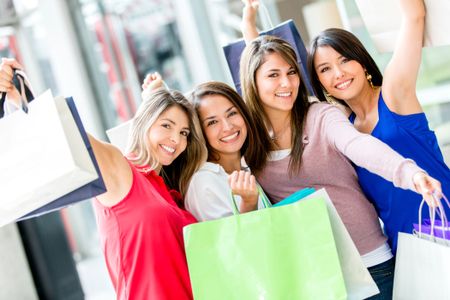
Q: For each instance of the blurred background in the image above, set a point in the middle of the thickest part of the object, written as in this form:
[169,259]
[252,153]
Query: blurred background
[99,51]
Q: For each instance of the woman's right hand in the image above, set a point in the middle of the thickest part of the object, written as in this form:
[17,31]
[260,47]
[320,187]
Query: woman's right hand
[7,67]
[151,82]
[248,26]
[242,183]
[428,187]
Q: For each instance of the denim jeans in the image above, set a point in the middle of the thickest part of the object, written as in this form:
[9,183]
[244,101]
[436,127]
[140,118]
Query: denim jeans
[383,275]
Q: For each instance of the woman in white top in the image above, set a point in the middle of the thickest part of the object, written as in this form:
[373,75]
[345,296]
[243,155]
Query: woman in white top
[230,134]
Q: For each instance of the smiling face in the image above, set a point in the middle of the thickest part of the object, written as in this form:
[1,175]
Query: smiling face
[278,84]
[223,125]
[341,77]
[168,135]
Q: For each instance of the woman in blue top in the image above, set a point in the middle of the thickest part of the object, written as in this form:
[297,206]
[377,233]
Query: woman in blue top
[342,70]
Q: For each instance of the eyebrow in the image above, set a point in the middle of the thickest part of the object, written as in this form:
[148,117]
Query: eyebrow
[322,64]
[212,117]
[169,120]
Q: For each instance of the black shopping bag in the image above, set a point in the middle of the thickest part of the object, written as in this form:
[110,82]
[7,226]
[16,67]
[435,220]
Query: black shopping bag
[287,31]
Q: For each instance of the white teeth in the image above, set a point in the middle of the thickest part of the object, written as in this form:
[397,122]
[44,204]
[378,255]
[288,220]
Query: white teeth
[343,85]
[168,149]
[287,94]
[230,137]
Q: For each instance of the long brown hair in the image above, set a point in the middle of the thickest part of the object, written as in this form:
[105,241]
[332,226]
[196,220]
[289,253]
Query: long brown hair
[347,45]
[178,174]
[252,58]
[250,149]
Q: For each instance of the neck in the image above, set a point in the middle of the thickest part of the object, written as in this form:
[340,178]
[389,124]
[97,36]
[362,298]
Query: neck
[230,162]
[281,129]
[363,104]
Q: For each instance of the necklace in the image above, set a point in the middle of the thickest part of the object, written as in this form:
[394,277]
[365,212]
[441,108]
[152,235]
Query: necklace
[276,136]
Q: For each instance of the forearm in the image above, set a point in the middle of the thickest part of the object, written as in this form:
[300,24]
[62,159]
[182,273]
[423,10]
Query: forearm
[249,31]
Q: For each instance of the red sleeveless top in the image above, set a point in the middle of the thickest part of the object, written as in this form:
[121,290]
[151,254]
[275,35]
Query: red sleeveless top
[142,241]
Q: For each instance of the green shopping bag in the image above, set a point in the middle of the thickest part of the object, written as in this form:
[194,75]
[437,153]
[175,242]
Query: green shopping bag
[285,252]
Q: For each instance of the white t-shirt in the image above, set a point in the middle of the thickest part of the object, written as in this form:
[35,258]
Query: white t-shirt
[209,195]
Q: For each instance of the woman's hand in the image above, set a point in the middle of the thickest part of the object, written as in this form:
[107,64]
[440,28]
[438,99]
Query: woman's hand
[427,186]
[242,183]
[7,67]
[248,25]
[151,82]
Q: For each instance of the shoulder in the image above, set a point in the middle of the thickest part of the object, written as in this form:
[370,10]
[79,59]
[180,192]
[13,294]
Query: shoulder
[322,112]
[210,176]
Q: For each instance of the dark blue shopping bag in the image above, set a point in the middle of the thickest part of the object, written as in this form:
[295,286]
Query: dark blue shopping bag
[87,191]
[287,31]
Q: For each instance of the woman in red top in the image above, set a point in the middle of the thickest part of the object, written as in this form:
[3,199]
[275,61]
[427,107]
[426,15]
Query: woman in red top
[139,219]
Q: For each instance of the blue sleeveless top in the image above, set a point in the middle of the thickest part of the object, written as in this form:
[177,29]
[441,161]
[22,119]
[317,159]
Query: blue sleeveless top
[410,136]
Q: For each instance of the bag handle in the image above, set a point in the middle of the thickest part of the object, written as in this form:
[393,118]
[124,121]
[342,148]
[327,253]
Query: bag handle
[432,211]
[20,82]
[261,195]
[266,13]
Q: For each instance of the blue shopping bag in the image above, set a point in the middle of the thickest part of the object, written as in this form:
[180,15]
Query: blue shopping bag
[287,31]
[87,191]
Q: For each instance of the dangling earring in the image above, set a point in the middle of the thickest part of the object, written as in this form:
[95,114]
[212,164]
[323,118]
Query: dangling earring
[330,99]
[369,79]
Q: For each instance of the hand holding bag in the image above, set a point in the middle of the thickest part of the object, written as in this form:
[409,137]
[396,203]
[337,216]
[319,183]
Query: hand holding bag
[287,31]
[285,252]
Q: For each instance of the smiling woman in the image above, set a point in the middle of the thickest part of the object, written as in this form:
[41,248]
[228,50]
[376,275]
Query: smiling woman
[230,134]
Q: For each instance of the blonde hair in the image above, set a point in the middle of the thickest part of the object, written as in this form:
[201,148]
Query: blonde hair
[178,174]
[252,58]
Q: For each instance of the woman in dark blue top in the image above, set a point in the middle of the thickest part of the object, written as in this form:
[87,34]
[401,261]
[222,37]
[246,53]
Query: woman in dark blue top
[342,70]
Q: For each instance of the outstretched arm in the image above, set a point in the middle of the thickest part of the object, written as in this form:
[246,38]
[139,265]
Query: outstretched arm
[400,76]
[248,25]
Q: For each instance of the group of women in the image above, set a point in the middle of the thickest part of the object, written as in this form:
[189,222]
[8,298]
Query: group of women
[188,154]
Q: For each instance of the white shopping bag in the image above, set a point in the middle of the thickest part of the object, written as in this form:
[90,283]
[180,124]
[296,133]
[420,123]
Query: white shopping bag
[42,158]
[118,136]
[358,282]
[383,18]
[422,269]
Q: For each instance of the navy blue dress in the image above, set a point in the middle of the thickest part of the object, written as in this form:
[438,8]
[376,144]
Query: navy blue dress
[410,136]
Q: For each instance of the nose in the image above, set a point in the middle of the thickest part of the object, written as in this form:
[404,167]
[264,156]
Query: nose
[227,125]
[338,72]
[175,137]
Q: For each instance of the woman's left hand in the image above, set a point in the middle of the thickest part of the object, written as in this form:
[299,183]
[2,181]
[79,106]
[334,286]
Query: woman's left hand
[428,187]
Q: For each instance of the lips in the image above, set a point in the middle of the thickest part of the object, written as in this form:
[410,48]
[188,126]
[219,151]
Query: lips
[343,85]
[230,137]
[283,94]
[168,149]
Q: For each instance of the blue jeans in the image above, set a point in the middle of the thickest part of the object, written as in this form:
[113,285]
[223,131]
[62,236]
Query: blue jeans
[383,275]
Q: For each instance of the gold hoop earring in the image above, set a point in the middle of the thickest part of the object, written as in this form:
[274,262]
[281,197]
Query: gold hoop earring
[369,79]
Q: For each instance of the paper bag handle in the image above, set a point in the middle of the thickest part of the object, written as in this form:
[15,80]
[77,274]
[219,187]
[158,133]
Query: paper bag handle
[24,90]
[441,213]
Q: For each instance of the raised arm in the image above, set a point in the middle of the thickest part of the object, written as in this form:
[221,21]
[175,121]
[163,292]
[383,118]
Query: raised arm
[400,76]
[248,25]
[372,154]
[115,171]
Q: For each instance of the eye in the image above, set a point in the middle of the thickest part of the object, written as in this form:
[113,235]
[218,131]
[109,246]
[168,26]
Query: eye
[345,59]
[232,113]
[185,133]
[166,125]
[272,75]
[292,72]
[210,123]
[324,69]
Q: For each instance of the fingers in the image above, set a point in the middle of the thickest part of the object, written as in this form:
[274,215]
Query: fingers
[152,81]
[429,188]
[243,183]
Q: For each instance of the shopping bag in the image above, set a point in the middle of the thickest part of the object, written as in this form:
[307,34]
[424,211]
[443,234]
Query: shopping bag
[118,136]
[43,157]
[20,81]
[383,19]
[285,252]
[358,282]
[87,191]
[422,264]
[287,31]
